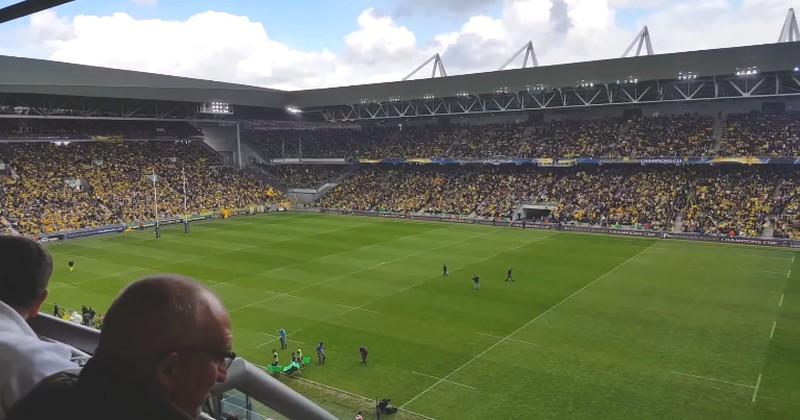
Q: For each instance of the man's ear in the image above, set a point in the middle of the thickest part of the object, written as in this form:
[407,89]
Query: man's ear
[37,304]
[166,372]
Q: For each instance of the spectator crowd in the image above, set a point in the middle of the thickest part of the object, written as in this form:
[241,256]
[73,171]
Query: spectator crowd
[55,188]
[638,137]
[761,135]
[730,201]
[306,176]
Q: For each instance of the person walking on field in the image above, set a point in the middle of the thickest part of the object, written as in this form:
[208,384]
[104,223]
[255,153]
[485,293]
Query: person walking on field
[282,336]
[364,354]
[321,353]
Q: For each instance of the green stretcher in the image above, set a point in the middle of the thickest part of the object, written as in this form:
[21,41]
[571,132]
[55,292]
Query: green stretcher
[290,368]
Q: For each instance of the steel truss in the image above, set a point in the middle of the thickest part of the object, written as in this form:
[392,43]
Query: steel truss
[647,92]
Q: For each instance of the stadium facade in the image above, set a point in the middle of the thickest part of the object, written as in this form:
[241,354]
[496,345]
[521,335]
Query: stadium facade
[53,89]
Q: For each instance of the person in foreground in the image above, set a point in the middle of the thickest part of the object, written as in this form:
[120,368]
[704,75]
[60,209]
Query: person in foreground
[166,341]
[25,269]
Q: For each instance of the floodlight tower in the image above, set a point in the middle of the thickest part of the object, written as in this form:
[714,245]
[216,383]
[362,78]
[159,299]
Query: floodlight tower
[642,38]
[529,53]
[789,31]
[437,65]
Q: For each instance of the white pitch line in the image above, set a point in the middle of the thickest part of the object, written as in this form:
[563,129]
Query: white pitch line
[769,271]
[510,339]
[788,274]
[61,283]
[359,308]
[771,333]
[523,342]
[268,342]
[371,400]
[758,384]
[706,378]
[780,302]
[445,380]
[527,324]
[358,271]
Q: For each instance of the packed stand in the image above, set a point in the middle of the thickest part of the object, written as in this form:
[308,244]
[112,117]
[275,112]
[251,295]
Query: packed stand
[306,176]
[491,140]
[65,130]
[787,202]
[571,139]
[636,137]
[758,134]
[91,184]
[651,198]
[672,136]
[731,201]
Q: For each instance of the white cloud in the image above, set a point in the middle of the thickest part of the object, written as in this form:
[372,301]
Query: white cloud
[145,2]
[234,48]
[379,39]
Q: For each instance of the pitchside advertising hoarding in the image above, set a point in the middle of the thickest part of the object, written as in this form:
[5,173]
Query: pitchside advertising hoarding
[784,243]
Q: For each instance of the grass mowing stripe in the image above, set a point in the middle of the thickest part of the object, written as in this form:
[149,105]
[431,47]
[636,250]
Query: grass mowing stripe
[216,254]
[450,272]
[352,272]
[525,325]
[683,307]
[445,380]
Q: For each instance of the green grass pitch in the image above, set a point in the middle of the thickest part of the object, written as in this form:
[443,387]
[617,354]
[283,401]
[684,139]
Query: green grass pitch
[594,327]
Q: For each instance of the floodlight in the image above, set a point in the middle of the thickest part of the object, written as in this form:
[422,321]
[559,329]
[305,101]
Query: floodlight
[293,109]
[216,107]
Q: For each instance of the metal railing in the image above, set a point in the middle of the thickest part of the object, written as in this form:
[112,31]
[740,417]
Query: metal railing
[242,375]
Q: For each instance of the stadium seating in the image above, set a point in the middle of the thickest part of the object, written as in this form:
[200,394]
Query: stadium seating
[664,136]
[305,176]
[762,135]
[91,184]
[50,188]
[708,200]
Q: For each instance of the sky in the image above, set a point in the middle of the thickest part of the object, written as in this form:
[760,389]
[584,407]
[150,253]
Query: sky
[304,44]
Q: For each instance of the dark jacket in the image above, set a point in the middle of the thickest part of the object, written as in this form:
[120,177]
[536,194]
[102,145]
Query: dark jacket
[100,392]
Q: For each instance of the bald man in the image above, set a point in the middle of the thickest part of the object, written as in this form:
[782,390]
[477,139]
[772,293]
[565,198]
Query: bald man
[165,342]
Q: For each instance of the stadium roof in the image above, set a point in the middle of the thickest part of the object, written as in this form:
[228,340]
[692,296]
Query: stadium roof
[32,76]
[725,61]
[26,75]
